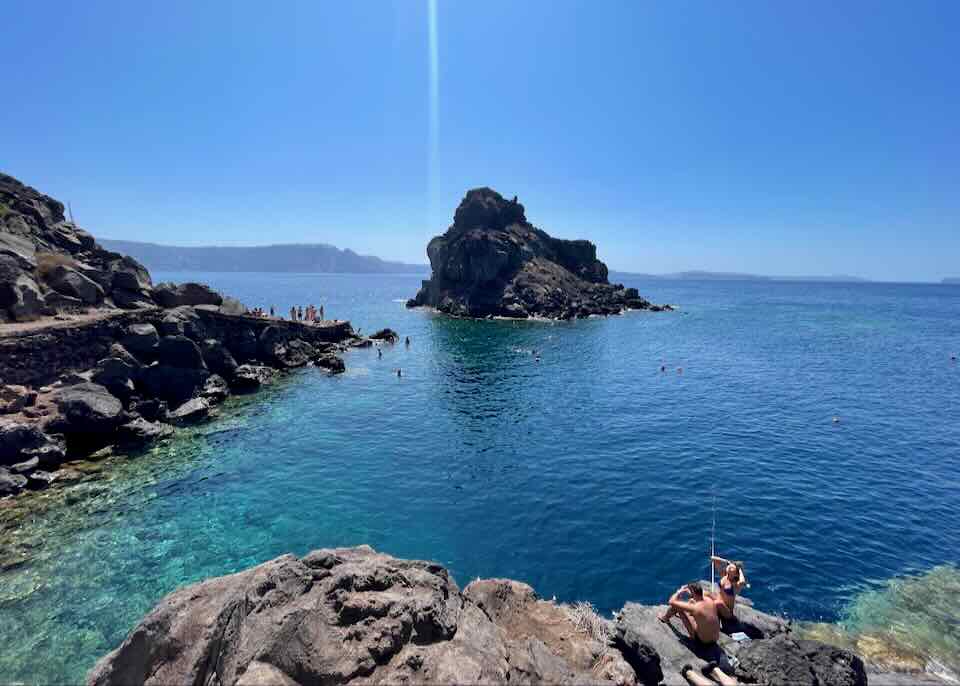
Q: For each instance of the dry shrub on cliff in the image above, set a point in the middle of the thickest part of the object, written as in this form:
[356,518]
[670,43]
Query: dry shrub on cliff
[48,261]
[586,620]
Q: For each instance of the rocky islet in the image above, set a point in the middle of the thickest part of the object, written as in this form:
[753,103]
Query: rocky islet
[492,262]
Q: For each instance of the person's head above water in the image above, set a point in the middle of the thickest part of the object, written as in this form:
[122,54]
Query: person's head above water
[695,589]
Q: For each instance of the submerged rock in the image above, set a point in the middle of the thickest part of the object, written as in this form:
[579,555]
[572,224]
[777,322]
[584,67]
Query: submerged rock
[493,262]
[141,431]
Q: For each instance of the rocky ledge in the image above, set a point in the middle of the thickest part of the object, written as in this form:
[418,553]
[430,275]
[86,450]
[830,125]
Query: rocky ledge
[127,380]
[492,262]
[355,616]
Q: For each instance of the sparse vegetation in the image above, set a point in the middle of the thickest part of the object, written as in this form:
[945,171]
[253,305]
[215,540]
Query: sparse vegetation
[586,620]
[48,261]
[4,210]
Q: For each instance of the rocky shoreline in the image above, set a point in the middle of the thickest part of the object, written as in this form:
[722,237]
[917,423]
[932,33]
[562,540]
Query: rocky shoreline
[357,616]
[492,262]
[93,354]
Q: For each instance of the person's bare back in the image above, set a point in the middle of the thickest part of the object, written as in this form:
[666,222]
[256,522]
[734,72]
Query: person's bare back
[707,621]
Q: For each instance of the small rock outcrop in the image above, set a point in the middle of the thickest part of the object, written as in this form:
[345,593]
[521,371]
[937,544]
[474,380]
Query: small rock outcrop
[492,262]
[356,616]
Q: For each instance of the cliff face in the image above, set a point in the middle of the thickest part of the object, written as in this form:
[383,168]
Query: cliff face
[49,265]
[355,616]
[493,262]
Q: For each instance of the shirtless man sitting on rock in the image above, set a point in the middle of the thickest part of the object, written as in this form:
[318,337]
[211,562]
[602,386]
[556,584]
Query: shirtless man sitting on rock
[699,614]
[700,618]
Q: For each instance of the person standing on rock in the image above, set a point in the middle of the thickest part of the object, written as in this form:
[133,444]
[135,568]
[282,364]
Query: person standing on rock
[699,614]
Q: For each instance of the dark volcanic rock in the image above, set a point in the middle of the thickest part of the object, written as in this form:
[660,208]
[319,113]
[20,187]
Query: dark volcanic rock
[183,321]
[218,358]
[141,431]
[388,335]
[250,377]
[215,389]
[151,409]
[493,262]
[89,408]
[11,484]
[352,615]
[17,440]
[190,412]
[173,384]
[180,351]
[54,302]
[70,282]
[175,295]
[141,339]
[19,293]
[131,300]
[117,376]
[784,661]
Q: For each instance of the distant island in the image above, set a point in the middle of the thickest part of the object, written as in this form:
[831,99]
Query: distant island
[952,280]
[297,258]
[735,276]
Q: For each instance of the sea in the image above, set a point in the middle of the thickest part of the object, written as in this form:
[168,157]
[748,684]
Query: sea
[811,430]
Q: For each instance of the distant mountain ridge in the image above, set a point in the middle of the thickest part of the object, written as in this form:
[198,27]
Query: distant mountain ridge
[698,275]
[296,258]
[952,280]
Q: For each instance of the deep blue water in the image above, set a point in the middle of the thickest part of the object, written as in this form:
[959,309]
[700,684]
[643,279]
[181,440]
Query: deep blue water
[590,474]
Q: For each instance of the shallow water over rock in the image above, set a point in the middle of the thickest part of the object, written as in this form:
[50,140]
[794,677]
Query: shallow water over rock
[589,474]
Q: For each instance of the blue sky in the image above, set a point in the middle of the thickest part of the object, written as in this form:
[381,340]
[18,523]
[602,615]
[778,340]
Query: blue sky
[770,137]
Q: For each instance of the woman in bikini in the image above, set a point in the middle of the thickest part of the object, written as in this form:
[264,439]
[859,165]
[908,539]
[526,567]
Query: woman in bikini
[732,581]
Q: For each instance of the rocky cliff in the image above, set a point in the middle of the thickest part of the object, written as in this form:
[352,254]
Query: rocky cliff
[355,616]
[50,265]
[493,262]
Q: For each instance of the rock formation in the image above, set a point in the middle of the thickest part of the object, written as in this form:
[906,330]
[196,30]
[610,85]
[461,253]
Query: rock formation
[140,358]
[493,262]
[50,265]
[355,616]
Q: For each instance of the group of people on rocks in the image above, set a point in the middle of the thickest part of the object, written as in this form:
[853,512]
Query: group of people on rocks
[702,613]
[298,313]
[310,313]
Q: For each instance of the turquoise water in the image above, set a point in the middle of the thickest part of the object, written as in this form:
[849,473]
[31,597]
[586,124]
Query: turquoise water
[589,474]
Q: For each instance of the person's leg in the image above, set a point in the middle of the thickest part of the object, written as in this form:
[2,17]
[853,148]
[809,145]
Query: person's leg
[690,624]
[722,677]
[666,616]
[694,677]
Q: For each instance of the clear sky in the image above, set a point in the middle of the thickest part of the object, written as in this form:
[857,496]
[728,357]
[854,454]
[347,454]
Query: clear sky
[771,137]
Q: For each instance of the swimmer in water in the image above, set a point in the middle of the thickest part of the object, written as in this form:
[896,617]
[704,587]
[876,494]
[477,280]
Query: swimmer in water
[663,368]
[379,354]
[407,342]
[836,420]
[679,370]
[399,372]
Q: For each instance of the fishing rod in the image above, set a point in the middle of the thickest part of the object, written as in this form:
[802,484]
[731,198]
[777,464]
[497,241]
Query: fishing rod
[713,550]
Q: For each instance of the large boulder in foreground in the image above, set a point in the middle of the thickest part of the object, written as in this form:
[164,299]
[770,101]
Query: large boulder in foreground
[353,615]
[493,262]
